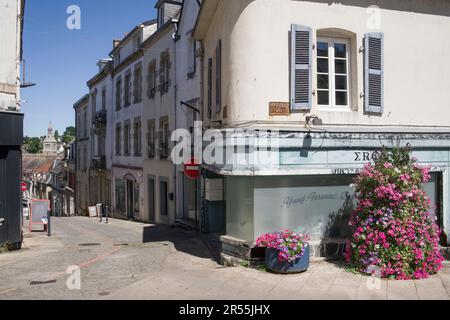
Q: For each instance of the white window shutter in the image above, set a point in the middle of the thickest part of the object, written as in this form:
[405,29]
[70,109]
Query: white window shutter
[374,73]
[301,67]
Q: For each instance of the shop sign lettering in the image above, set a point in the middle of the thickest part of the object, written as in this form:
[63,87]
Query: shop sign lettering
[366,156]
[291,201]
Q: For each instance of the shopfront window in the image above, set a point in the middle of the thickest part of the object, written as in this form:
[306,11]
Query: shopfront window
[317,205]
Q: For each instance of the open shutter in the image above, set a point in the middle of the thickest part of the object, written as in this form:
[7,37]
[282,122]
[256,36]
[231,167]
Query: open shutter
[301,67]
[374,73]
[219,77]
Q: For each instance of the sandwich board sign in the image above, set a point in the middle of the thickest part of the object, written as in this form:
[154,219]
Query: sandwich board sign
[92,212]
[39,213]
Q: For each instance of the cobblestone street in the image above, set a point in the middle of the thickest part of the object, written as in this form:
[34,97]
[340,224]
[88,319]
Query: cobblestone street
[126,260]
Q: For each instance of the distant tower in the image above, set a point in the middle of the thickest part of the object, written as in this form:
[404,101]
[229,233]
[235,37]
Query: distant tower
[50,143]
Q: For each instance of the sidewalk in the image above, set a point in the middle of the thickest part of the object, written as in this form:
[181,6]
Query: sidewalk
[187,277]
[127,260]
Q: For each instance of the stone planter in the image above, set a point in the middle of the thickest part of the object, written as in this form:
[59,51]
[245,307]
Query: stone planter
[300,265]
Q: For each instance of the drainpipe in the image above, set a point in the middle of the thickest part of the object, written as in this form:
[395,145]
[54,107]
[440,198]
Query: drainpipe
[175,88]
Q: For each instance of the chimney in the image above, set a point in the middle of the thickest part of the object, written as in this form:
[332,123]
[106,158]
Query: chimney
[102,63]
[116,43]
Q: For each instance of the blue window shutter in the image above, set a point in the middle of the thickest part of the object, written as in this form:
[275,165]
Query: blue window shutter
[210,75]
[374,73]
[219,77]
[301,67]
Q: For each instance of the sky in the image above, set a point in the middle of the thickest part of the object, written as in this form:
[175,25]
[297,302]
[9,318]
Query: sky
[60,61]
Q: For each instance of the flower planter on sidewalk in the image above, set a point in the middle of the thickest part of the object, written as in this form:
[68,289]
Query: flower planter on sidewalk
[286,252]
[275,265]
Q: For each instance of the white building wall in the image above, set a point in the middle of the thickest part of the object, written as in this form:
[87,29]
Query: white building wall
[82,159]
[188,75]
[10,39]
[156,108]
[255,37]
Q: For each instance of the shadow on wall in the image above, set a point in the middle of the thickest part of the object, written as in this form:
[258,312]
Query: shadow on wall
[337,230]
[185,241]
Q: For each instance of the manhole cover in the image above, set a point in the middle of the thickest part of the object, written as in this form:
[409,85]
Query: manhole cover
[103,294]
[89,244]
[42,281]
[120,244]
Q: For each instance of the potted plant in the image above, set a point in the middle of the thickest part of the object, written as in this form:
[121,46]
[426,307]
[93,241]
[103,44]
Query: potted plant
[286,252]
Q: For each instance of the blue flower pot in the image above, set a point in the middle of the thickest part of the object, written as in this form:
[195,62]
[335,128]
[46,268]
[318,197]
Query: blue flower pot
[297,266]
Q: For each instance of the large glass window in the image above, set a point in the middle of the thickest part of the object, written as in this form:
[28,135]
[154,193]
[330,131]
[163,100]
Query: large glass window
[333,72]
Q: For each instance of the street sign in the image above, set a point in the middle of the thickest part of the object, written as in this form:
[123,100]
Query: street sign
[39,212]
[192,169]
[24,187]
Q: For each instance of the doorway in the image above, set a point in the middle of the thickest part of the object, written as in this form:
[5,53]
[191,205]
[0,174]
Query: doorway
[151,199]
[130,199]
[189,195]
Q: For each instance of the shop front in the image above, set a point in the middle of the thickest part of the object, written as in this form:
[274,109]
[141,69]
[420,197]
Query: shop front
[309,188]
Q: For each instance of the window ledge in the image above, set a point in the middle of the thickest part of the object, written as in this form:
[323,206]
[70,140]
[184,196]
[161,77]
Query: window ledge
[334,109]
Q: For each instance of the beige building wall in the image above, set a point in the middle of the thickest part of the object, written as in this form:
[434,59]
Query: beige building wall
[256,59]
[82,194]
[161,106]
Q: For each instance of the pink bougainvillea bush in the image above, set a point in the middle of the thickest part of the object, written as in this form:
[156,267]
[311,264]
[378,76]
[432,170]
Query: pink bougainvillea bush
[394,232]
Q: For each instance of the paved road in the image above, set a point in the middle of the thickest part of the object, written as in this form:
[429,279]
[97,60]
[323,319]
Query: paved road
[125,260]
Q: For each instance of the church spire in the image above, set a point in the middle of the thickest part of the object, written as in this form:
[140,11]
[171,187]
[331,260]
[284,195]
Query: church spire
[50,129]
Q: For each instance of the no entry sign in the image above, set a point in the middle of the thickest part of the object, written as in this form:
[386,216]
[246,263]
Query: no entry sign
[192,169]
[23,187]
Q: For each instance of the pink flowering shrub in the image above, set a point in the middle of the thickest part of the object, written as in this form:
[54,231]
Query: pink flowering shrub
[290,245]
[393,228]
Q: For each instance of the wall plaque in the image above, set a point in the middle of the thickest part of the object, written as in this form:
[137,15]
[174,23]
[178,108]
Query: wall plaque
[279,109]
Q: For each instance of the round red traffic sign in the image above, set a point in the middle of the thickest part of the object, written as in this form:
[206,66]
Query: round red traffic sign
[24,187]
[192,169]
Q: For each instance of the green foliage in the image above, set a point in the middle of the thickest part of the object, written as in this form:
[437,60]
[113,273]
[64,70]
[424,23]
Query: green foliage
[33,145]
[69,135]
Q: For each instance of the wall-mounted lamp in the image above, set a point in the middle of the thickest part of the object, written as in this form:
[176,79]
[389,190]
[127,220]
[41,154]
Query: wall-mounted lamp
[314,120]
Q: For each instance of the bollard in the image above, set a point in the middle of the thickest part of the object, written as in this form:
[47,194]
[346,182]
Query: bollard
[49,232]
[107,214]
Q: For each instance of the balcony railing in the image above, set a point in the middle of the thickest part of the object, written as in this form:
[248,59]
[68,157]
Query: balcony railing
[99,163]
[100,121]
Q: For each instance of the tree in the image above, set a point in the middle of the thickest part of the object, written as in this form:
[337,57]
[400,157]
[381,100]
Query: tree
[34,145]
[56,135]
[69,135]
[395,234]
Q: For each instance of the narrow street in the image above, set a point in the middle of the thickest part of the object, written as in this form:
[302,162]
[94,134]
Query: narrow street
[110,256]
[127,260]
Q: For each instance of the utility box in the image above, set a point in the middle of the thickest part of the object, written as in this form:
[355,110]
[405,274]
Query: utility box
[214,190]
[11,140]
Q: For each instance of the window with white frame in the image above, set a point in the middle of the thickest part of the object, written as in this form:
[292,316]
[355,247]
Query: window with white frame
[333,80]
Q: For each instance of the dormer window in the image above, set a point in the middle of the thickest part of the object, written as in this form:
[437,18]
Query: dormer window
[161,15]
